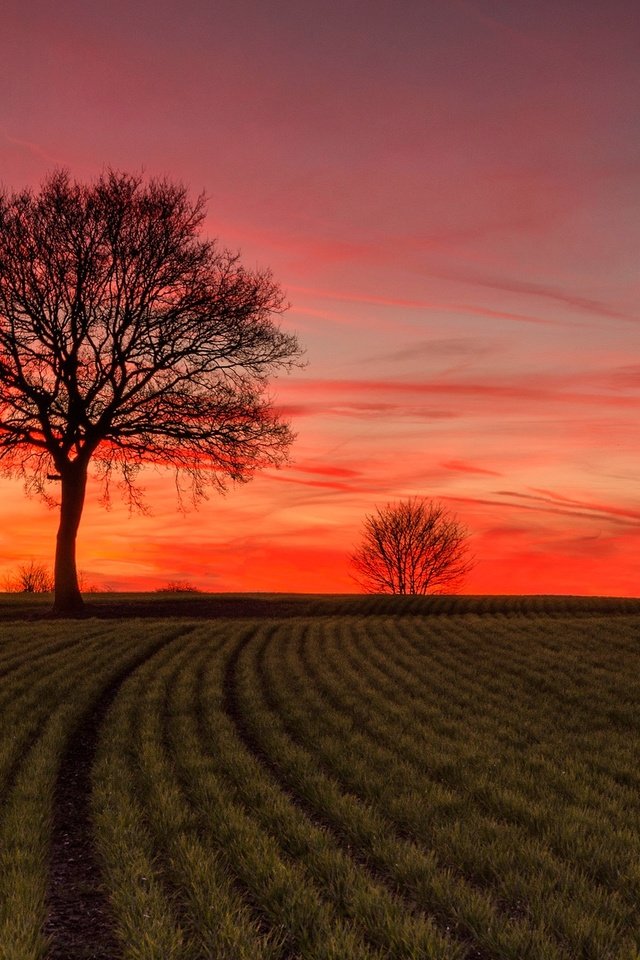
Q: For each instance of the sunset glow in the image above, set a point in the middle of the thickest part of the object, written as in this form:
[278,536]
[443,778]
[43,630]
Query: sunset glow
[448,194]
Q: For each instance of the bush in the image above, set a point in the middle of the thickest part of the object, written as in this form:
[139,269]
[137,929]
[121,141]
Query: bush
[178,586]
[30,577]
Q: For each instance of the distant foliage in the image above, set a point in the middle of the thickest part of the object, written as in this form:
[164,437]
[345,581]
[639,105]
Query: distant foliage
[412,547]
[35,577]
[178,586]
[30,577]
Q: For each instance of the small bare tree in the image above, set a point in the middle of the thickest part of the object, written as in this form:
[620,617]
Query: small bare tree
[30,577]
[414,547]
[126,338]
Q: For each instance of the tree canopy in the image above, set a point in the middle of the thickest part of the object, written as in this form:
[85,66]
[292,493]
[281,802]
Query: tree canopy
[127,338]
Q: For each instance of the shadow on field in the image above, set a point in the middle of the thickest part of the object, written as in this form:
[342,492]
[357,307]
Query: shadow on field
[115,606]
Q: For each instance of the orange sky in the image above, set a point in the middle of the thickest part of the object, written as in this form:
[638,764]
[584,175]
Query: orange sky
[448,192]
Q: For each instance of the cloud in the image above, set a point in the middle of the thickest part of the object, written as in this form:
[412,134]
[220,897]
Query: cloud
[340,407]
[610,510]
[625,377]
[329,470]
[305,482]
[488,195]
[539,290]
[452,348]
[34,149]
[436,306]
[530,390]
[462,466]
[573,508]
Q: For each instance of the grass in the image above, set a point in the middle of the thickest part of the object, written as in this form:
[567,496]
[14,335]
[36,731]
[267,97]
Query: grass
[340,778]
[24,606]
[48,679]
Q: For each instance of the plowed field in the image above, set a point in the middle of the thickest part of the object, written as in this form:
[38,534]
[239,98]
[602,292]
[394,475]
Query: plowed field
[374,780]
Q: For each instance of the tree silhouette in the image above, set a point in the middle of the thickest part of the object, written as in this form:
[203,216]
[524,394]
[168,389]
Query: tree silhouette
[412,547]
[125,339]
[30,577]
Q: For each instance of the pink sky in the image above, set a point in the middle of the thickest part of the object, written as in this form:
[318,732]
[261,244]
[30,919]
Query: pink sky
[448,192]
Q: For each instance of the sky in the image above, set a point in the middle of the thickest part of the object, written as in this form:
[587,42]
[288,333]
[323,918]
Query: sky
[448,192]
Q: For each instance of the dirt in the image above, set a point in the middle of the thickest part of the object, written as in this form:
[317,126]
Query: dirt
[80,924]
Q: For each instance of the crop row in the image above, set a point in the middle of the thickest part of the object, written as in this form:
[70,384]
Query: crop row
[48,680]
[222,862]
[336,788]
[452,605]
[560,871]
[365,787]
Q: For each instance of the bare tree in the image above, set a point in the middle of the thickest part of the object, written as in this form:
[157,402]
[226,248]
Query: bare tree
[125,339]
[30,577]
[415,546]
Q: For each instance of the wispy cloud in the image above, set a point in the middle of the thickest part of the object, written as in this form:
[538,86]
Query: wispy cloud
[35,149]
[447,348]
[570,507]
[462,466]
[530,390]
[608,510]
[326,470]
[541,291]
[436,306]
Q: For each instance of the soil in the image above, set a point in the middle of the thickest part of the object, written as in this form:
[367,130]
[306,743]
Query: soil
[80,923]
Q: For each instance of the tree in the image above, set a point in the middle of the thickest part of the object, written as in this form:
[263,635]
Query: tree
[414,546]
[125,339]
[30,577]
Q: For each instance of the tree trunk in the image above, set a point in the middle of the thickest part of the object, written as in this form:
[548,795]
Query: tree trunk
[68,599]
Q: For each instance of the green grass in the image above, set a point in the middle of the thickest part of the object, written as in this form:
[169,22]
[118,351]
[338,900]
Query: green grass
[49,677]
[342,778]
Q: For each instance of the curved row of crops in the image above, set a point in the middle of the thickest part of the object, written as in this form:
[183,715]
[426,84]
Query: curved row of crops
[338,788]
[535,605]
[486,770]
[49,678]
[378,788]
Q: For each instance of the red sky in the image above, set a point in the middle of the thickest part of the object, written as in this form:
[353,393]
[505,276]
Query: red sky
[449,193]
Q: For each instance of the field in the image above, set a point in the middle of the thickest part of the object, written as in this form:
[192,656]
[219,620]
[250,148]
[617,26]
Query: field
[267,778]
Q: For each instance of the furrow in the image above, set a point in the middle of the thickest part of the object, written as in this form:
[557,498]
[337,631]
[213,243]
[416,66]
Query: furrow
[79,915]
[353,827]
